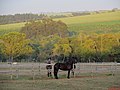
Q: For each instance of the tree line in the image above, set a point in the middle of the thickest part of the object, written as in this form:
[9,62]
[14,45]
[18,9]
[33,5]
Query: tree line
[51,39]
[94,48]
[17,18]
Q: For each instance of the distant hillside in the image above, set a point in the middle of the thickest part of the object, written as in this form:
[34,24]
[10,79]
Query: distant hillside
[17,18]
[102,17]
[108,22]
[96,27]
[100,23]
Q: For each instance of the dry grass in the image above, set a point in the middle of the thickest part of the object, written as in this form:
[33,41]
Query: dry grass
[83,81]
[98,83]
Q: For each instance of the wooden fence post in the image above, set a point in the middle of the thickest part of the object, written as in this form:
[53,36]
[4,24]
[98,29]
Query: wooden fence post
[11,72]
[39,70]
[115,73]
[79,68]
[17,71]
[33,74]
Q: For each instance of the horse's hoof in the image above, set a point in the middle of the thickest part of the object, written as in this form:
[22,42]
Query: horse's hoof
[56,77]
[68,77]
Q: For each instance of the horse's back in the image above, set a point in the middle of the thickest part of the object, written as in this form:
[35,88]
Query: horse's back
[62,66]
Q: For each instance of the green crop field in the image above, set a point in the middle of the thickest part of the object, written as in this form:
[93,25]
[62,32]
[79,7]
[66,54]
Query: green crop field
[98,23]
[10,27]
[103,17]
[96,27]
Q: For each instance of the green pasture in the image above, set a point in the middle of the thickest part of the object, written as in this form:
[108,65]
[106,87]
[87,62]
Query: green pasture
[98,23]
[10,27]
[103,17]
[96,27]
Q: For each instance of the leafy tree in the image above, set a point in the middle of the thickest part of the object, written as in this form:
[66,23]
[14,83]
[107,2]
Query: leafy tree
[47,45]
[62,47]
[15,44]
[96,47]
[45,27]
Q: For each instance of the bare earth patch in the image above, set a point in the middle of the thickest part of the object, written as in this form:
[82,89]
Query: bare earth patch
[114,88]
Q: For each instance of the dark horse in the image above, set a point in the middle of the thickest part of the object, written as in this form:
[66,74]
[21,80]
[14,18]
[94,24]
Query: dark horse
[67,66]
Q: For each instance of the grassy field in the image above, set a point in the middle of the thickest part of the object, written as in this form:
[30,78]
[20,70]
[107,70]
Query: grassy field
[10,27]
[96,27]
[98,83]
[83,81]
[99,23]
[103,17]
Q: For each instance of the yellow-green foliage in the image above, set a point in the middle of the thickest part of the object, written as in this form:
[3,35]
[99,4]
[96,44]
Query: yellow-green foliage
[15,44]
[62,47]
[84,44]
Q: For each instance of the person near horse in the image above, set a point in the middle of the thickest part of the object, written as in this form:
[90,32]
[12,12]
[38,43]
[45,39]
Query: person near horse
[49,68]
[73,70]
[74,66]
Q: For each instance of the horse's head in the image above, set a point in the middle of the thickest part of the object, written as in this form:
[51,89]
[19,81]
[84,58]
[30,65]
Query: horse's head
[73,60]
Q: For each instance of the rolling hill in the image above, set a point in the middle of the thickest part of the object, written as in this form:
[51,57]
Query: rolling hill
[99,23]
[102,17]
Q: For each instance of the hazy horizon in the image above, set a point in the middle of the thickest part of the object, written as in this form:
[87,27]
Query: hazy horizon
[42,6]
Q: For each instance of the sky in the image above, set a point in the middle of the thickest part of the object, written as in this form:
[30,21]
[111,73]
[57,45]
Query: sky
[40,6]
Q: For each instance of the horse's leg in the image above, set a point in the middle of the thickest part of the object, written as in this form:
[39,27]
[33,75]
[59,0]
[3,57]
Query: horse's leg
[68,74]
[72,72]
[55,72]
[48,72]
